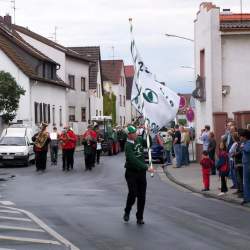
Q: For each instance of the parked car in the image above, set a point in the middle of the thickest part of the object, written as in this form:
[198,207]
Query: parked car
[16,146]
[157,151]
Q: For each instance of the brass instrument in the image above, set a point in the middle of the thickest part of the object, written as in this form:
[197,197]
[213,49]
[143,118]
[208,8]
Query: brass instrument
[41,139]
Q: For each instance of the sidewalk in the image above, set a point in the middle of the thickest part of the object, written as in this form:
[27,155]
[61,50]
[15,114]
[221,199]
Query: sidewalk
[190,177]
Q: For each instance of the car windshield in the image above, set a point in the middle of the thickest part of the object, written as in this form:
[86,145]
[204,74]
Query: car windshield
[12,141]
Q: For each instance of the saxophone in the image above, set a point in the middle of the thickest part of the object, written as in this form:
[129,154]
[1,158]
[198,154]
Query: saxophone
[41,139]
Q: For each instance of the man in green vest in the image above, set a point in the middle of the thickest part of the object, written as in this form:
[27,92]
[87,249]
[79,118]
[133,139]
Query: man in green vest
[135,174]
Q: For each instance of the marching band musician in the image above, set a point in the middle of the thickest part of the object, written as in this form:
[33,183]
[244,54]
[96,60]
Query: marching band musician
[68,140]
[41,141]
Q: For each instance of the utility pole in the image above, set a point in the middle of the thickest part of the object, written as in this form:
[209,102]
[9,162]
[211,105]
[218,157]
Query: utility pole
[14,10]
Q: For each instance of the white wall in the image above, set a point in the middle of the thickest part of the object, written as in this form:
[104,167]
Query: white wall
[49,94]
[78,98]
[236,71]
[118,90]
[6,64]
[55,54]
[207,37]
[96,97]
[128,111]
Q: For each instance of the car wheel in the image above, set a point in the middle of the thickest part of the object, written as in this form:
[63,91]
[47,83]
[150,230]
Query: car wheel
[27,161]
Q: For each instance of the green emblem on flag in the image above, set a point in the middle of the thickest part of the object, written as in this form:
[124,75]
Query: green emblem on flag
[150,96]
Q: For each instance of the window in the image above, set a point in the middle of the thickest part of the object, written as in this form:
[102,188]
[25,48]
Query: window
[48,113]
[72,81]
[100,113]
[123,120]
[60,115]
[53,115]
[52,71]
[124,101]
[83,84]
[45,113]
[83,110]
[72,110]
[96,113]
[120,100]
[44,69]
[120,120]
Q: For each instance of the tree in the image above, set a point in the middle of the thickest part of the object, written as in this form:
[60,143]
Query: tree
[10,93]
[109,106]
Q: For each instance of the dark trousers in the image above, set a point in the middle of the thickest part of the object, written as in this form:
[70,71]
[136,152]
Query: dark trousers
[137,185]
[98,154]
[93,157]
[88,161]
[41,159]
[224,188]
[122,144]
[212,157]
[54,153]
[64,159]
[239,175]
[70,158]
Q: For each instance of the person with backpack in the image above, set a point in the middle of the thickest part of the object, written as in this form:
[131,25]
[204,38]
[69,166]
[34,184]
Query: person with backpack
[222,166]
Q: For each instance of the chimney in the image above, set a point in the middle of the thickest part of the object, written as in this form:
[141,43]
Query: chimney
[7,20]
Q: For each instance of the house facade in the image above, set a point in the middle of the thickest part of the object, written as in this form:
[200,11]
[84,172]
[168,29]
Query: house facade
[131,112]
[114,81]
[73,69]
[222,45]
[95,78]
[37,74]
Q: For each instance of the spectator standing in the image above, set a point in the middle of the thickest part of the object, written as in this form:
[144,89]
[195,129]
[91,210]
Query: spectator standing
[206,165]
[177,146]
[185,139]
[211,151]
[167,144]
[54,136]
[245,138]
[232,153]
[223,167]
[98,147]
[204,137]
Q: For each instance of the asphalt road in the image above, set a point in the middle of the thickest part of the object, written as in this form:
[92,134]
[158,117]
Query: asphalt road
[87,207]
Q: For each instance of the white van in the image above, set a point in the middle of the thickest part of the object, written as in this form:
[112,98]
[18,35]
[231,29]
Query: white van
[16,146]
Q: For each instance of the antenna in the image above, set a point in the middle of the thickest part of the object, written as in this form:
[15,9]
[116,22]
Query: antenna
[14,9]
[55,34]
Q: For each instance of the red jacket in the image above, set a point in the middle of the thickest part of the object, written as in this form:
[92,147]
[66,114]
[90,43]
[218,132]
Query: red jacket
[68,140]
[206,165]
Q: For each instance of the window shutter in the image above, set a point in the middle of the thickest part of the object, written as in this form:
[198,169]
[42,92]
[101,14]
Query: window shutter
[44,113]
[41,112]
[48,113]
[36,115]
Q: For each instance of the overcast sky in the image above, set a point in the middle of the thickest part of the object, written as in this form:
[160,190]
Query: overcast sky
[105,23]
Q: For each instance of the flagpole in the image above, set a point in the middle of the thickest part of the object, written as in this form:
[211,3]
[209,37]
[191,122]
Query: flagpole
[146,124]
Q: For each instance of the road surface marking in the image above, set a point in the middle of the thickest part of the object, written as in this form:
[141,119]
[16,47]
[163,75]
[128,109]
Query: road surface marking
[7,203]
[14,218]
[21,228]
[9,212]
[31,240]
[45,227]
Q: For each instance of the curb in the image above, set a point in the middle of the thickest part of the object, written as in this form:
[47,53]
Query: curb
[194,190]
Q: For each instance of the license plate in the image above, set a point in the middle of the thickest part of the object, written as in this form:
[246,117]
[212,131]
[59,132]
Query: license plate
[8,157]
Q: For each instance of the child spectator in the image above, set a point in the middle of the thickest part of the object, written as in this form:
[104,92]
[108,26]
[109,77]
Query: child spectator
[206,165]
[222,166]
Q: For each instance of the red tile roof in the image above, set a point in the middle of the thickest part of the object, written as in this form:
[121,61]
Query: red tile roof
[129,71]
[111,70]
[234,22]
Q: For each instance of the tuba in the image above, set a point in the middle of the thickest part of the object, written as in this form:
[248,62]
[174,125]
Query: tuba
[41,139]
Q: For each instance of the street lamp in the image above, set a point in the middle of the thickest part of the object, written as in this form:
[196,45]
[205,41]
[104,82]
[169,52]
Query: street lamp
[181,37]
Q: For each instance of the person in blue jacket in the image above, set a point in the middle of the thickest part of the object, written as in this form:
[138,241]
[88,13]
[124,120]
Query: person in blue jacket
[245,138]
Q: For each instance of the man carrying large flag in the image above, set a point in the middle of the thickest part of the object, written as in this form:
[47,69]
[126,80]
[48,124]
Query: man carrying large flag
[158,105]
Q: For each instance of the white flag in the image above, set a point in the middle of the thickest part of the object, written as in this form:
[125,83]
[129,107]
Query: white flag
[156,102]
